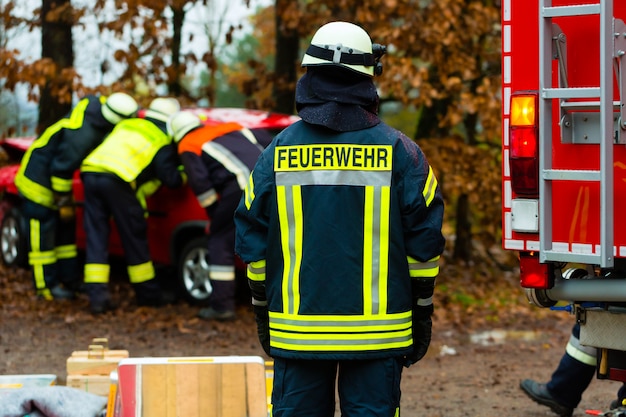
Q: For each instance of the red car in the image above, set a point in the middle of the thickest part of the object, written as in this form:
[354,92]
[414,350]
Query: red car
[177,225]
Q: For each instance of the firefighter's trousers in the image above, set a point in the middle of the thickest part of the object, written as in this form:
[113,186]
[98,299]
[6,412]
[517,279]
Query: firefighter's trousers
[106,196]
[367,388]
[574,372]
[52,252]
[222,248]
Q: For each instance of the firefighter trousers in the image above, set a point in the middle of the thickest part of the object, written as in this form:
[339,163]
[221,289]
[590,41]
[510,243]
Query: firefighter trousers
[367,388]
[221,247]
[52,252]
[108,196]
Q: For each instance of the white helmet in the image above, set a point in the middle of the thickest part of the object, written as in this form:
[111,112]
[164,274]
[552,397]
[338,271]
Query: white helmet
[161,108]
[343,44]
[182,123]
[119,106]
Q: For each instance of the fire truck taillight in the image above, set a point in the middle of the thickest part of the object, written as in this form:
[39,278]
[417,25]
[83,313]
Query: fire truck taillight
[524,139]
[534,274]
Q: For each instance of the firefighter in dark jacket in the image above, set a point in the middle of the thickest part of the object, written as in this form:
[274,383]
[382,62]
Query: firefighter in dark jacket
[44,181]
[130,164]
[340,226]
[218,158]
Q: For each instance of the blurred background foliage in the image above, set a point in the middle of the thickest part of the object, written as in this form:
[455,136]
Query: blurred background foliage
[440,84]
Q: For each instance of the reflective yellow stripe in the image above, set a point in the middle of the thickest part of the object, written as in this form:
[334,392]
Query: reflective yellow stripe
[97,273]
[38,259]
[430,187]
[66,252]
[34,191]
[375,249]
[429,269]
[141,273]
[249,192]
[291,226]
[340,333]
[256,270]
[385,202]
[368,249]
[61,185]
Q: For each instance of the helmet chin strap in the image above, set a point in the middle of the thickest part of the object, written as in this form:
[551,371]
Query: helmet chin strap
[339,54]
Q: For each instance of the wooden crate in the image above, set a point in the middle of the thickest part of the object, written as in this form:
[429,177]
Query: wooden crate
[94,384]
[228,386]
[90,370]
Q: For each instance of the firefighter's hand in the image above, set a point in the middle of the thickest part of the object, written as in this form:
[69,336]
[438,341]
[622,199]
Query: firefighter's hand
[263,327]
[422,331]
[66,205]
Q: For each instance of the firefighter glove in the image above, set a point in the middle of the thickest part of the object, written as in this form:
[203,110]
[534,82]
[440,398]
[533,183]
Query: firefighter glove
[67,207]
[263,327]
[422,331]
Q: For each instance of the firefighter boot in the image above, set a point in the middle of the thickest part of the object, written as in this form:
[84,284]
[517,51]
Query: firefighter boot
[99,298]
[150,294]
[222,302]
[540,394]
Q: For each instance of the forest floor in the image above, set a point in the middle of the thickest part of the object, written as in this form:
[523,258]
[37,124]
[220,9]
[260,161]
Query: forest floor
[486,338]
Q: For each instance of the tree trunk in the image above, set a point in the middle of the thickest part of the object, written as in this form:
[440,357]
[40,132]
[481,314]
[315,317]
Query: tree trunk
[178,18]
[463,243]
[287,55]
[56,44]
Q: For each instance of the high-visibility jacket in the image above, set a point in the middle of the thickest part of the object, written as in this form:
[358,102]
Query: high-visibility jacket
[50,162]
[139,152]
[336,225]
[216,155]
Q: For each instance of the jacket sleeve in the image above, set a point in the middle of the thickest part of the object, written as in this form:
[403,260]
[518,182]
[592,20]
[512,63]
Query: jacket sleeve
[422,215]
[168,167]
[199,178]
[252,214]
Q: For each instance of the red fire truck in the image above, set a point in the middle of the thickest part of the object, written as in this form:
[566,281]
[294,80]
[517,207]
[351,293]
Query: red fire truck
[564,162]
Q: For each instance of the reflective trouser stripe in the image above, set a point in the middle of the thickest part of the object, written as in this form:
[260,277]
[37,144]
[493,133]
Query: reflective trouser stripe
[581,353]
[66,252]
[38,259]
[141,273]
[222,272]
[97,273]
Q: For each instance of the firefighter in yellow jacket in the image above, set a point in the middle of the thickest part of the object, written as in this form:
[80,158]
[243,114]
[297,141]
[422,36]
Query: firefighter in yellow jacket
[130,164]
[340,225]
[44,181]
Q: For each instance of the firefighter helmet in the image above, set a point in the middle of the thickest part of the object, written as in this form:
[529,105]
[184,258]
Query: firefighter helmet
[343,44]
[161,108]
[182,123]
[119,106]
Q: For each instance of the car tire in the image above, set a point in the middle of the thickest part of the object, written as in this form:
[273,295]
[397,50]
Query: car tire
[13,239]
[193,272]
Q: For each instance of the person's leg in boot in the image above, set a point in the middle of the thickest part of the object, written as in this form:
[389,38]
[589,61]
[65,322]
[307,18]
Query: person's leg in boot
[98,293]
[569,381]
[222,260]
[42,257]
[621,398]
[68,265]
[147,288]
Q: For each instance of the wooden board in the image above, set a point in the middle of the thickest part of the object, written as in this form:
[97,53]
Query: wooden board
[229,386]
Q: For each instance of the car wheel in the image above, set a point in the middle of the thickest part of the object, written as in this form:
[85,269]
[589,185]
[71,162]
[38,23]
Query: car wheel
[193,272]
[13,239]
